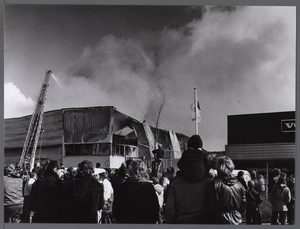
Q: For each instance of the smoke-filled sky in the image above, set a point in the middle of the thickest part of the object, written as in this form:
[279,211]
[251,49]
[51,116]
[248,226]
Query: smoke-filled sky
[241,60]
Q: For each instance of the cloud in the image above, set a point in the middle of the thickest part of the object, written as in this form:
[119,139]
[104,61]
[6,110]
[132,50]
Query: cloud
[16,103]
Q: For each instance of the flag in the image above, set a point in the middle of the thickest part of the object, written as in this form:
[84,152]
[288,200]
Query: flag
[198,112]
[175,145]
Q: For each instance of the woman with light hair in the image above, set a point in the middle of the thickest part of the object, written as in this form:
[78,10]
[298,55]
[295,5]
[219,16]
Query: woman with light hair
[135,200]
[226,197]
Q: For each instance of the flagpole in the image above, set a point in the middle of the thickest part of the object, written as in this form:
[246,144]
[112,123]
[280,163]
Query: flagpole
[196,111]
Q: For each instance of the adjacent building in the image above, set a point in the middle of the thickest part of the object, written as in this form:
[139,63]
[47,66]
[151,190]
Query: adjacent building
[262,141]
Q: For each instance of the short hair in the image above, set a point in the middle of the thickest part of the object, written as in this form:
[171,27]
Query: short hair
[224,166]
[277,171]
[253,173]
[240,173]
[138,169]
[85,168]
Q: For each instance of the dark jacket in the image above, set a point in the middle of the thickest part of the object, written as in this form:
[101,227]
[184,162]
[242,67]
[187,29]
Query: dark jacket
[47,200]
[194,165]
[280,197]
[253,198]
[226,200]
[84,199]
[185,204]
[135,201]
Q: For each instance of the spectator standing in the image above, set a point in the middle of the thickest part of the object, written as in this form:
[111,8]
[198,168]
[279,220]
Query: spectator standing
[226,197]
[135,200]
[291,205]
[240,178]
[85,195]
[280,197]
[108,198]
[253,214]
[257,183]
[47,197]
[186,198]
[13,196]
[159,189]
[27,190]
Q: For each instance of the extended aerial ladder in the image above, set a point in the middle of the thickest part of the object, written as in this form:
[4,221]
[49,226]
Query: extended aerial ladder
[33,133]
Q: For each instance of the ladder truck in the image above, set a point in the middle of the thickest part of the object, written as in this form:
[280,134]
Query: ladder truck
[27,158]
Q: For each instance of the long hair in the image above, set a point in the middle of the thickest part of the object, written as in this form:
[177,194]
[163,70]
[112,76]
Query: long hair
[138,169]
[224,166]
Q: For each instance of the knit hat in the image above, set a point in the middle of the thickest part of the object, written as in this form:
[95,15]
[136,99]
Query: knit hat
[195,142]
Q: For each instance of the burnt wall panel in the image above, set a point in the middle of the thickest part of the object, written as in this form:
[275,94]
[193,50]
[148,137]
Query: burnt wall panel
[87,125]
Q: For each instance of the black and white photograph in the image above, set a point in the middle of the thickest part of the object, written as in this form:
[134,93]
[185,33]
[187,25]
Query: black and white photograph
[149,114]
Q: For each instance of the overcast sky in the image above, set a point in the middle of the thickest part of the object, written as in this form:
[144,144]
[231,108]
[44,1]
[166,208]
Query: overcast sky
[240,59]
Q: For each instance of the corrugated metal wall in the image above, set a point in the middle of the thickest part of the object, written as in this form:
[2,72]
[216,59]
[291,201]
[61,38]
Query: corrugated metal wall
[15,130]
[87,125]
[275,151]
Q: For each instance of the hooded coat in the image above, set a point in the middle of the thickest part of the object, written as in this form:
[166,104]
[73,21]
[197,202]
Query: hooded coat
[226,199]
[185,204]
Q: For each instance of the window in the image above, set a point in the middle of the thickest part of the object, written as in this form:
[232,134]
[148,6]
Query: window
[87,149]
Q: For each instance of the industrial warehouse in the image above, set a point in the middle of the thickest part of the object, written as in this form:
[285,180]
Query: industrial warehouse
[98,134]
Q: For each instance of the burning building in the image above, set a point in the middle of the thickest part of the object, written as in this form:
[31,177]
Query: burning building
[99,134]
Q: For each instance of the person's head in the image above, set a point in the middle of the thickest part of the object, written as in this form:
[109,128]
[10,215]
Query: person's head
[85,168]
[103,175]
[224,166]
[33,174]
[195,142]
[253,174]
[277,171]
[98,165]
[155,180]
[53,166]
[128,162]
[138,169]
[172,170]
[122,171]
[9,170]
[240,174]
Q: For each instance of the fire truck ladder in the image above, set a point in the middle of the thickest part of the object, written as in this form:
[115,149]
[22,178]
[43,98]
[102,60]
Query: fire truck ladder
[34,130]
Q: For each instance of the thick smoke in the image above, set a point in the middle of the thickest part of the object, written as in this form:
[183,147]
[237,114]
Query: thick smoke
[240,61]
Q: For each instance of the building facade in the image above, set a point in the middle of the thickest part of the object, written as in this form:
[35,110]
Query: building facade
[262,141]
[98,134]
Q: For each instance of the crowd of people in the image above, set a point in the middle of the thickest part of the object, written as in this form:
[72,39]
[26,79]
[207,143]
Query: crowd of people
[202,191]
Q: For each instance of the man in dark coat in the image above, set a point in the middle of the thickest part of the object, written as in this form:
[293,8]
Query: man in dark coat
[253,214]
[84,195]
[47,197]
